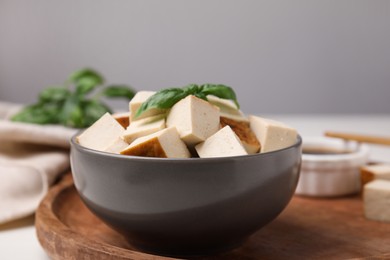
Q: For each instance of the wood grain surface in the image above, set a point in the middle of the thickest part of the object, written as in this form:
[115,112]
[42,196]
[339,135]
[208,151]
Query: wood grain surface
[307,229]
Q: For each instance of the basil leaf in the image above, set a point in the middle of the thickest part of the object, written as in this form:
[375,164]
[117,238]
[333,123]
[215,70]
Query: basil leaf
[220,91]
[93,110]
[86,85]
[166,98]
[201,95]
[61,105]
[86,73]
[54,94]
[191,89]
[86,80]
[72,113]
[38,114]
[163,99]
[118,91]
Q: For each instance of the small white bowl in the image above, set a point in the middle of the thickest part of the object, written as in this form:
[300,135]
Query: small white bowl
[332,174]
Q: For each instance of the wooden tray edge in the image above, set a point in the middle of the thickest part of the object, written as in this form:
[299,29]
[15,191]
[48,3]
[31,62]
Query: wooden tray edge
[51,232]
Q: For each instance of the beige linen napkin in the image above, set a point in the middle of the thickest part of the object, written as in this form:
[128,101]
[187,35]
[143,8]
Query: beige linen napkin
[31,157]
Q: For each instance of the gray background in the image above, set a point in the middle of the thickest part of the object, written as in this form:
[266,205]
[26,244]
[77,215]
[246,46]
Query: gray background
[279,56]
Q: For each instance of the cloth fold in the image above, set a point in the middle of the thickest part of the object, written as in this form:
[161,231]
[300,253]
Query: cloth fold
[31,158]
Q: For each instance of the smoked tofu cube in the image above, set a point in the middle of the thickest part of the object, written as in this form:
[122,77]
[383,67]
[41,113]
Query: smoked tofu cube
[227,108]
[122,118]
[195,119]
[142,127]
[372,172]
[223,143]
[244,132]
[272,135]
[376,198]
[139,98]
[102,134]
[165,143]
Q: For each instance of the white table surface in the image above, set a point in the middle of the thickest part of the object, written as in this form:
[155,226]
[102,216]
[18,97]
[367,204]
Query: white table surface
[18,239]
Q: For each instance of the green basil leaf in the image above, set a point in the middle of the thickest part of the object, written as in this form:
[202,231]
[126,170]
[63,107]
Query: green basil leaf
[166,98]
[38,114]
[72,113]
[54,94]
[86,80]
[59,105]
[118,91]
[220,91]
[93,110]
[26,115]
[83,73]
[201,95]
[86,85]
[191,89]
[163,99]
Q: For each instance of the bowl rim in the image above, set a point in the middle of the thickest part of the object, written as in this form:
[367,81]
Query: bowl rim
[75,145]
[361,151]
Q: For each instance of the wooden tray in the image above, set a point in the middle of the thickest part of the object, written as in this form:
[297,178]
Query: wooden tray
[307,229]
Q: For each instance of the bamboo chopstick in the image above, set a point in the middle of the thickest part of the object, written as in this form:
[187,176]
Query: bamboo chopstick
[360,138]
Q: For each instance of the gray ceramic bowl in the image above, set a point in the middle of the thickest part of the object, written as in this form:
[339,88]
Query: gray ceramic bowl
[186,207]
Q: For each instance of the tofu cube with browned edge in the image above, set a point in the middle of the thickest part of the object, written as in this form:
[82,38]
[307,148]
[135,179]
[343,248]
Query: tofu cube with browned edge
[165,143]
[244,132]
[123,118]
[272,135]
[144,126]
[102,135]
[195,119]
[376,198]
[223,143]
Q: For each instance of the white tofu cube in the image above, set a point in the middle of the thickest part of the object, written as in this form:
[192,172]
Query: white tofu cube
[103,133]
[227,108]
[373,172]
[116,146]
[223,143]
[165,143]
[195,119]
[376,198]
[144,126]
[272,135]
[139,98]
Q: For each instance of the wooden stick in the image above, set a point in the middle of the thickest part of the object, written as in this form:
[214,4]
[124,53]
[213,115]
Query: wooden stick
[360,138]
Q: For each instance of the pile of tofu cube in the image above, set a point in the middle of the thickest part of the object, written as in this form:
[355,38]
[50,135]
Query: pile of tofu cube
[193,127]
[376,191]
